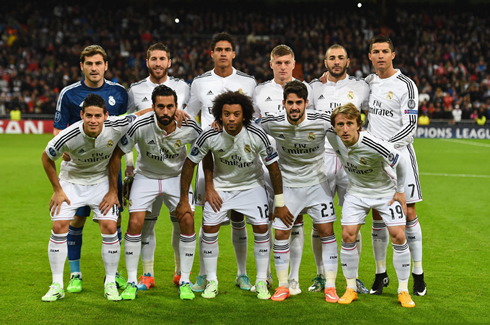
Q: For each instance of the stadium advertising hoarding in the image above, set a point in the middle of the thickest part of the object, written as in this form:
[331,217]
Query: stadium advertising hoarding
[26,126]
[453,131]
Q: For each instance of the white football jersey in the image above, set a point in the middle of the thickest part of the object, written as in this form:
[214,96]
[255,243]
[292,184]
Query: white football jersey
[160,155]
[268,97]
[300,147]
[393,108]
[330,95]
[139,94]
[89,162]
[236,158]
[365,163]
[207,86]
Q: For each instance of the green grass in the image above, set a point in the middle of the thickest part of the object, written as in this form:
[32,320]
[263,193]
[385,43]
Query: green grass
[455,221]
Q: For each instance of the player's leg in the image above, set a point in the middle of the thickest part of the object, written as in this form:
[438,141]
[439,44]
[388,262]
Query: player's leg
[380,239]
[148,247]
[296,245]
[111,252]
[316,245]
[120,280]
[74,240]
[200,283]
[239,238]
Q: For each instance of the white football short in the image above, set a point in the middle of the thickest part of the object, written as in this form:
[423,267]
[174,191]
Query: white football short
[251,203]
[82,195]
[356,208]
[337,176]
[315,200]
[148,194]
[200,185]
[413,191]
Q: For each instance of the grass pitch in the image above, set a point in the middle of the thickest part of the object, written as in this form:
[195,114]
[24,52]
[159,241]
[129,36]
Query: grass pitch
[454,216]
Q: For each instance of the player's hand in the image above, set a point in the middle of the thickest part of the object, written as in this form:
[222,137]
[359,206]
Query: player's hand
[181,115]
[108,202]
[213,198]
[56,200]
[129,171]
[216,126]
[183,208]
[283,213]
[66,156]
[324,78]
[400,197]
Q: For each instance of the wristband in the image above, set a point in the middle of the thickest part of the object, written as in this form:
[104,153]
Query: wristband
[129,159]
[279,200]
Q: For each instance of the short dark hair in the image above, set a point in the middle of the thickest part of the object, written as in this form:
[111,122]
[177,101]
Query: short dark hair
[231,98]
[281,50]
[94,100]
[350,111]
[92,50]
[381,39]
[157,47]
[223,36]
[162,90]
[296,87]
[336,46]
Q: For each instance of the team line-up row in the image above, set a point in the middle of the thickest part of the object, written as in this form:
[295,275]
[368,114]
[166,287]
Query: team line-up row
[308,140]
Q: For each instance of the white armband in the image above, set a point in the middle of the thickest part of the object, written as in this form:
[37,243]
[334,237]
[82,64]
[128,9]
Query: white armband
[279,200]
[129,159]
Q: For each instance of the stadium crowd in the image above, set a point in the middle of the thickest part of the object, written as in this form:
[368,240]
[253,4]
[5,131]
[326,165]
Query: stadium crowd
[444,51]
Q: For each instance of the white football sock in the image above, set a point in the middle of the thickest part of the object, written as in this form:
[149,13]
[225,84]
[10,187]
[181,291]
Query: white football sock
[281,260]
[401,262]
[297,242]
[210,252]
[316,245]
[187,250]
[262,255]
[413,233]
[132,250]
[330,256]
[380,237]
[111,252]
[57,253]
[148,246]
[350,263]
[240,241]
[176,243]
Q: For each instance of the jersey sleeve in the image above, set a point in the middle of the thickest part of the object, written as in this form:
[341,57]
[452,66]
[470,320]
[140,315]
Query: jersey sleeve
[125,100]
[256,113]
[409,110]
[194,104]
[266,151]
[129,139]
[311,103]
[365,97]
[201,147]
[183,94]
[62,114]
[57,145]
[390,155]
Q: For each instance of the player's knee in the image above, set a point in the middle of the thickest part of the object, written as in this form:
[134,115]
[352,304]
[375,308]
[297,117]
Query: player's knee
[135,225]
[187,225]
[282,234]
[260,229]
[325,230]
[60,227]
[398,237]
[349,235]
[411,212]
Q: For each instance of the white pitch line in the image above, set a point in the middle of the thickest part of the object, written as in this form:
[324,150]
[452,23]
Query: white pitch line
[468,142]
[455,175]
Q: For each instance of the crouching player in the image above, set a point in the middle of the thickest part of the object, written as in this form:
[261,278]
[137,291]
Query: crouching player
[364,158]
[83,181]
[162,147]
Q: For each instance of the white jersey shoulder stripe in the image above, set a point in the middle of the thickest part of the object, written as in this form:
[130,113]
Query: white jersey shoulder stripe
[64,139]
[207,134]
[260,133]
[204,75]
[407,130]
[271,118]
[193,124]
[376,146]
[407,81]
[138,83]
[139,123]
[64,90]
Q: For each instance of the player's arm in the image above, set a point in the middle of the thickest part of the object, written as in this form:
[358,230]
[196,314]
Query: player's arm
[400,185]
[194,104]
[184,207]
[111,199]
[56,131]
[409,110]
[210,194]
[59,195]
[280,209]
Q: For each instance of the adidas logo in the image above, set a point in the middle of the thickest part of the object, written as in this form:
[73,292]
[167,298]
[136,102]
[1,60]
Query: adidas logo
[321,97]
[81,151]
[268,99]
[145,99]
[281,137]
[210,93]
[151,142]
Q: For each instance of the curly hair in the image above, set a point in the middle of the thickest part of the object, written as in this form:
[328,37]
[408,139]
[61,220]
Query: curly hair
[231,98]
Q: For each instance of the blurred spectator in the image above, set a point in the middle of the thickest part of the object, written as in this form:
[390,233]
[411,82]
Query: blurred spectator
[457,113]
[15,114]
[423,119]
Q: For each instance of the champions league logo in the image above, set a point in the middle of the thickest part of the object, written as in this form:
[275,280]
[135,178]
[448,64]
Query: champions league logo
[194,151]
[269,151]
[124,140]
[52,152]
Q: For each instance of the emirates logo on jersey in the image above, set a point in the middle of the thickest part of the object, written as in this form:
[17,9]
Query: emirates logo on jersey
[311,136]
[389,96]
[350,95]
[110,143]
[178,144]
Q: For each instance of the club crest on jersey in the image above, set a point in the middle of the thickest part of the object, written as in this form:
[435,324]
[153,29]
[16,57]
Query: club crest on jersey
[311,136]
[112,101]
[247,149]
[350,95]
[241,91]
[57,116]
[389,96]
[110,143]
[130,202]
[363,161]
[178,144]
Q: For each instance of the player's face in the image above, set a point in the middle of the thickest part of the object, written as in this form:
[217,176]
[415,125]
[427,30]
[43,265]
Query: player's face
[381,56]
[93,120]
[232,118]
[165,108]
[158,64]
[283,67]
[223,54]
[346,129]
[94,69]
[336,62]
[295,108]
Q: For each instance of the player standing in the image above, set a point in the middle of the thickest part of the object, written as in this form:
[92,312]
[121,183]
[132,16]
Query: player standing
[93,63]
[238,180]
[339,89]
[365,158]
[204,90]
[393,108]
[82,181]
[158,61]
[300,138]
[162,147]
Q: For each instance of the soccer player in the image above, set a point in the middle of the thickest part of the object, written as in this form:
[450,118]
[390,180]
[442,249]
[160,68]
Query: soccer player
[162,147]
[83,181]
[365,158]
[300,138]
[204,90]
[393,108]
[93,63]
[339,89]
[158,62]
[238,180]
[268,99]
